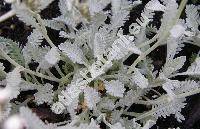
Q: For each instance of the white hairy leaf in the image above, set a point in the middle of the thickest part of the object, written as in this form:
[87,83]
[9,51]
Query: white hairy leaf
[31,119]
[22,12]
[96,6]
[91,125]
[116,5]
[53,56]
[42,4]
[169,15]
[107,103]
[121,47]
[128,99]
[91,96]
[99,45]
[58,108]
[115,88]
[53,24]
[44,94]
[119,18]
[15,122]
[99,67]
[4,95]
[13,80]
[192,17]
[2,72]
[176,87]
[73,52]
[149,124]
[35,37]
[177,31]
[166,109]
[117,126]
[172,65]
[169,88]
[32,51]
[139,79]
[155,5]
[174,46]
[194,69]
[66,20]
[69,97]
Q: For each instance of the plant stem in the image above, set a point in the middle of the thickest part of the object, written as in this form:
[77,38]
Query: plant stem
[7,15]
[41,75]
[183,95]
[49,73]
[165,98]
[59,70]
[163,37]
[106,122]
[148,41]
[41,27]
[27,70]
[43,30]
[142,56]
[135,114]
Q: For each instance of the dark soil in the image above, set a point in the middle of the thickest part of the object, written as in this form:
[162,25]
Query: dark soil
[18,31]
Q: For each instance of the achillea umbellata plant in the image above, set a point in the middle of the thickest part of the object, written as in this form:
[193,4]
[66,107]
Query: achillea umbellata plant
[90,81]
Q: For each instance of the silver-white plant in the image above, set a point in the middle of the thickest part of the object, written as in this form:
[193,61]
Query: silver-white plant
[94,85]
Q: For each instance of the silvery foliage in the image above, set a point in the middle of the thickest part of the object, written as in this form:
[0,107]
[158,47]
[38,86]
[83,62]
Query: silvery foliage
[93,81]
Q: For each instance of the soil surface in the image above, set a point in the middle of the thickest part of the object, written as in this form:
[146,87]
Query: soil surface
[18,31]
